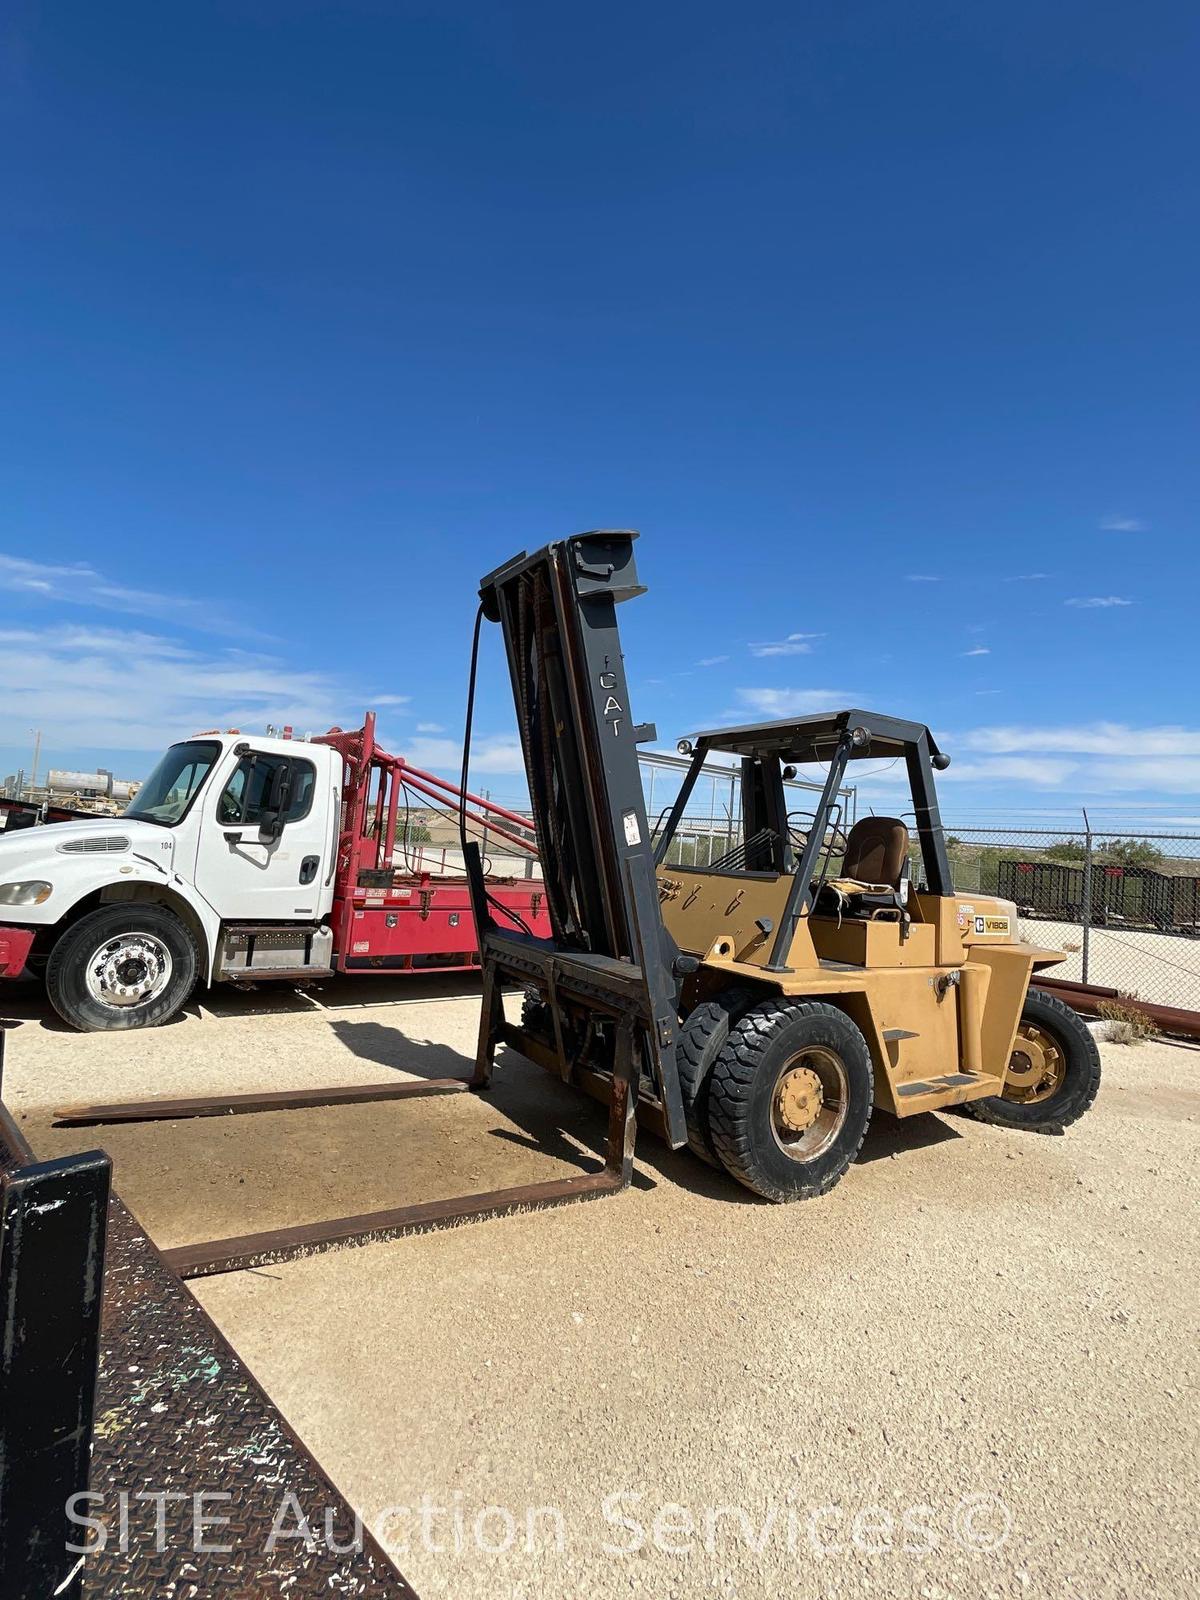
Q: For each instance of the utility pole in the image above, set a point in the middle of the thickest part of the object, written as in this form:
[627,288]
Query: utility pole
[37,751]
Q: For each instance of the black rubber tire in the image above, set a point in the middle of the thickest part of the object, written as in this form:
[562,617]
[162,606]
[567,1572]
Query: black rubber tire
[535,1017]
[742,1088]
[701,1040]
[68,991]
[1081,1082]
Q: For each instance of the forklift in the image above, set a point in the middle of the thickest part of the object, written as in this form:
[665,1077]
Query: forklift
[758,1009]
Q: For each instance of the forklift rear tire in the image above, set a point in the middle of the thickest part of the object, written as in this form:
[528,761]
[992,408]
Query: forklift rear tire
[1053,1073]
[701,1040]
[790,1098]
[123,966]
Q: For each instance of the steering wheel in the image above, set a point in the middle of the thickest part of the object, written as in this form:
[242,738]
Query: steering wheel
[836,839]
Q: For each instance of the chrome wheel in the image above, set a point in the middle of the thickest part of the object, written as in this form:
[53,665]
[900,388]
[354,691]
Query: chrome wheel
[130,970]
[810,1102]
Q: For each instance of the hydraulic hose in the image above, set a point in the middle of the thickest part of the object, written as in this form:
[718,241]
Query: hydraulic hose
[496,905]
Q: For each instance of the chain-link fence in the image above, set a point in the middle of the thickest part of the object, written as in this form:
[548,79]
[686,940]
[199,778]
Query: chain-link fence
[1126,910]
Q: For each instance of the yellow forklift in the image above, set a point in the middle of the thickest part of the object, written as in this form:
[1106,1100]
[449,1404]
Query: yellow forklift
[763,1006]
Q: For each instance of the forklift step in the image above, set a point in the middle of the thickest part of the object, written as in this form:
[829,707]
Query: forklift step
[950,1089]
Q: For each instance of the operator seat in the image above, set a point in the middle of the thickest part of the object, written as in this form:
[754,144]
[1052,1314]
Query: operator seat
[873,881]
[876,852]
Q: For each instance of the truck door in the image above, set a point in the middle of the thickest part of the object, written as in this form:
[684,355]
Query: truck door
[265,842]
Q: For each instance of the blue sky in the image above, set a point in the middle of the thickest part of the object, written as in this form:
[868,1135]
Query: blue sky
[878,320]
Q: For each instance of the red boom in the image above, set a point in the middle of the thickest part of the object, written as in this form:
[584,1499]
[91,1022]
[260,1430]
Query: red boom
[387,919]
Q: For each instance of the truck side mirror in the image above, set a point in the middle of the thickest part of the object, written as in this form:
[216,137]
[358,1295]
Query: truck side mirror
[278,800]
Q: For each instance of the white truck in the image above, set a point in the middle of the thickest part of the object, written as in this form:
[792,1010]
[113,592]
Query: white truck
[241,859]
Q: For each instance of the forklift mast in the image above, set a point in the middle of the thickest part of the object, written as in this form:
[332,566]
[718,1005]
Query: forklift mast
[609,956]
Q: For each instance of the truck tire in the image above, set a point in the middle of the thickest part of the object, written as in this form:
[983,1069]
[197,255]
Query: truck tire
[701,1040]
[1053,1074]
[790,1098]
[123,966]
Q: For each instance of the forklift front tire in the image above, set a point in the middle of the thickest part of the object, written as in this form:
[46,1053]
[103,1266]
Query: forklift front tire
[122,966]
[701,1040]
[790,1098]
[1053,1073]
[536,1018]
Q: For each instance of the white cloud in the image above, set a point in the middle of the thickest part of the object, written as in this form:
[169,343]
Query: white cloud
[97,688]
[923,577]
[780,703]
[17,573]
[1097,601]
[711,661]
[1094,738]
[979,650]
[1163,759]
[128,691]
[1026,577]
[796,644]
[79,584]
[1038,772]
[1181,776]
[1014,775]
[500,754]
[430,727]
[1124,525]
[391,699]
[68,637]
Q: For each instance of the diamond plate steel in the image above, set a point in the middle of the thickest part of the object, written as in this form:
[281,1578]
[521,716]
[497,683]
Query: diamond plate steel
[178,1413]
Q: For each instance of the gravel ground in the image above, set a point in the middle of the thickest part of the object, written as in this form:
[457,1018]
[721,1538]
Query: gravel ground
[969,1371]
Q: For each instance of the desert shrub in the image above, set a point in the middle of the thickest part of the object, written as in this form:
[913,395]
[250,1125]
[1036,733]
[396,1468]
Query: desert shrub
[1127,1022]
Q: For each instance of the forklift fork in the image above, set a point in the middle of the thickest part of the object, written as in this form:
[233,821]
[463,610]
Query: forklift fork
[274,1245]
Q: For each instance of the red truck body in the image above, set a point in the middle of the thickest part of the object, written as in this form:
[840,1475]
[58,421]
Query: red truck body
[390,914]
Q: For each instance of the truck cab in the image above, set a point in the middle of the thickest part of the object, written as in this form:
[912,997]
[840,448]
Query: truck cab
[231,841]
[242,859]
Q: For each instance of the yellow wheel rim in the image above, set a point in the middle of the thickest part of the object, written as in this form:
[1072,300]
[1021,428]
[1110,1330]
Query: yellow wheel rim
[809,1103]
[1036,1068]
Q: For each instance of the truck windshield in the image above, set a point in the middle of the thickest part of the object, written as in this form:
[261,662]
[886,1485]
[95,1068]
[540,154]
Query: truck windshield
[173,785]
